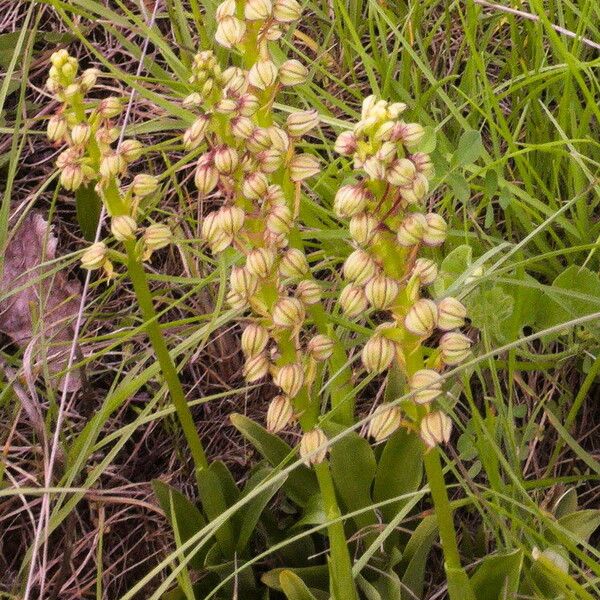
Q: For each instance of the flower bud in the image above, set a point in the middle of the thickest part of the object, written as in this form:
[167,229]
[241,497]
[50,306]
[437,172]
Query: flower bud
[427,385]
[292,72]
[143,185]
[71,176]
[381,291]
[346,143]
[426,270]
[80,134]
[123,227]
[95,256]
[387,153]
[230,31]
[226,106]
[194,135]
[258,140]
[320,347]
[423,164]
[157,236]
[351,200]
[290,378]
[286,11]
[451,314]
[301,122]
[206,178]
[363,228]
[280,140]
[435,231]
[110,107]
[225,9]
[294,264]
[112,165]
[263,74]
[269,160]
[130,150]
[260,262]
[235,300]
[359,267]
[374,168]
[385,421]
[455,347]
[309,291]
[193,100]
[248,104]
[412,229]
[279,414]
[226,160]
[421,319]
[288,313]
[353,300]
[255,185]
[401,172]
[378,353]
[254,339]
[384,131]
[435,429]
[242,282]
[256,367]
[88,79]
[230,219]
[258,10]
[242,127]
[57,128]
[412,134]
[279,219]
[71,91]
[313,446]
[303,166]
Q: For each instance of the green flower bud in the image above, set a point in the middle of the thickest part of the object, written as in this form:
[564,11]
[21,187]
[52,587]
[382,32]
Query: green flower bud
[313,445]
[57,128]
[309,291]
[279,138]
[374,168]
[193,100]
[95,256]
[421,319]
[59,58]
[123,227]
[384,131]
[363,228]
[194,135]
[226,106]
[412,134]
[254,339]
[451,314]
[270,160]
[260,262]
[385,421]
[290,378]
[256,367]
[235,300]
[435,429]
[68,156]
[292,72]
[242,282]
[387,153]
[242,127]
[301,122]
[427,385]
[294,264]
[234,81]
[263,74]
[230,32]
[303,166]
[157,236]
[288,313]
[131,150]
[423,164]
[359,267]
[88,79]
[112,165]
[455,347]
[254,185]
[412,229]
[436,230]
[381,291]
[258,10]
[378,353]
[80,134]
[110,107]
[353,300]
[143,185]
[426,270]
[286,11]
[248,104]
[346,143]
[279,219]
[230,219]
[279,414]
[225,9]
[351,200]
[206,178]
[401,172]
[320,347]
[71,176]
[258,140]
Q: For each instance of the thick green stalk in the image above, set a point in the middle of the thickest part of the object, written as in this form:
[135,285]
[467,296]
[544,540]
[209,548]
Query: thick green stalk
[142,291]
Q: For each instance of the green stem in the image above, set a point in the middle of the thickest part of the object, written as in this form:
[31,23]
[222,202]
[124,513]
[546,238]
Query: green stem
[342,585]
[144,298]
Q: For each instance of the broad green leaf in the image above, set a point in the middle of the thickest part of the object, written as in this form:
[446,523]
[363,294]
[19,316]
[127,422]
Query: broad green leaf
[389,586]
[189,518]
[88,206]
[489,309]
[301,483]
[415,555]
[399,471]
[566,504]
[314,577]
[498,576]
[459,585]
[368,589]
[460,186]
[353,468]
[469,149]
[293,587]
[581,523]
[453,266]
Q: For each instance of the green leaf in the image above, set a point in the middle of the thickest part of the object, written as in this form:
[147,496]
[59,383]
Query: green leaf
[415,555]
[189,519]
[581,523]
[469,149]
[453,266]
[498,576]
[293,587]
[400,471]
[301,483]
[315,577]
[460,186]
[353,469]
[88,206]
[428,142]
[566,504]
[389,586]
[488,310]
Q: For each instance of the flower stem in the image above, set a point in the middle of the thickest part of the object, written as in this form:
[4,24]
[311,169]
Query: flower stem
[142,291]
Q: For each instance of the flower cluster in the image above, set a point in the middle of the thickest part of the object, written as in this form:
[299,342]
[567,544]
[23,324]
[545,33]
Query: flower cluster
[254,167]
[88,130]
[385,272]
